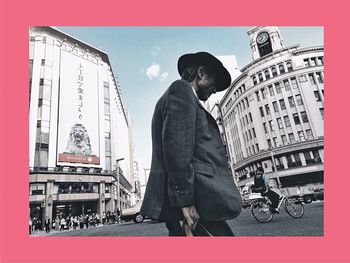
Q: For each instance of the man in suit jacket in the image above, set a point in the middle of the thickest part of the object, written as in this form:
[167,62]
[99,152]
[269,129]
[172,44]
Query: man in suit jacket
[190,181]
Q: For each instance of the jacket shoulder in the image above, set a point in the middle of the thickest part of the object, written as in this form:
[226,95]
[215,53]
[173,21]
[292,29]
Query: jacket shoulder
[180,85]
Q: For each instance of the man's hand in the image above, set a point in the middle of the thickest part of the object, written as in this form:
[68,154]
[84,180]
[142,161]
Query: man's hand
[191,216]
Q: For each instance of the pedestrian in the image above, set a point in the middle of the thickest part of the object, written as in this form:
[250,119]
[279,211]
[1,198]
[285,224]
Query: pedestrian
[118,215]
[30,226]
[81,222]
[190,181]
[47,225]
[62,223]
[104,218]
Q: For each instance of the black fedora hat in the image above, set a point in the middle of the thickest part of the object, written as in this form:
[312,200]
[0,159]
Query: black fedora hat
[213,64]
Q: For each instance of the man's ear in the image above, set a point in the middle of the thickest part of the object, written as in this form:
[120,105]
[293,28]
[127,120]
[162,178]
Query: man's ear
[200,72]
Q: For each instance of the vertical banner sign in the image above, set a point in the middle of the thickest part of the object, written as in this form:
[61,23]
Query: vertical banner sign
[78,124]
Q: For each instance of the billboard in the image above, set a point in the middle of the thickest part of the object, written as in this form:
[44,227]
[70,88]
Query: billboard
[78,123]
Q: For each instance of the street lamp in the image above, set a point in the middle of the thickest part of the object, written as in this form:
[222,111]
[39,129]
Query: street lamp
[116,172]
[274,167]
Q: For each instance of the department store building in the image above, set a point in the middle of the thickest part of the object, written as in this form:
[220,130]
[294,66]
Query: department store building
[78,129]
[273,113]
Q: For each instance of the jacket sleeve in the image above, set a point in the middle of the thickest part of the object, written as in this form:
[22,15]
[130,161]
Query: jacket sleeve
[178,137]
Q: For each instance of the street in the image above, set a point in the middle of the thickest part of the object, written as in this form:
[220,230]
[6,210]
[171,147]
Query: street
[311,224]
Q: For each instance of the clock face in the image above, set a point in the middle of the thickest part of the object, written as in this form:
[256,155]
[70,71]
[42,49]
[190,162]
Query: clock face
[262,38]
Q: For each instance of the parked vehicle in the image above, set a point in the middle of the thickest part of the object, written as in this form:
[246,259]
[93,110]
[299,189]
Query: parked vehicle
[248,196]
[133,213]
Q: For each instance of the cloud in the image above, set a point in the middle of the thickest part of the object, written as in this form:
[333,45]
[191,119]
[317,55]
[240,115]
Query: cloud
[163,76]
[155,50]
[153,71]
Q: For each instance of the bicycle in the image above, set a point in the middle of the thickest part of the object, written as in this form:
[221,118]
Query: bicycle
[262,211]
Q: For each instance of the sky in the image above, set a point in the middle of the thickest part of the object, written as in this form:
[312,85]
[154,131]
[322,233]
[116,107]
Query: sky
[144,61]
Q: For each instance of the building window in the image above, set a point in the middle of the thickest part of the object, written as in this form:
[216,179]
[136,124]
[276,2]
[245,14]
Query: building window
[312,79]
[271,125]
[107,109]
[322,113]
[250,135]
[250,117]
[261,111]
[37,189]
[275,141]
[286,84]
[317,157]
[294,83]
[267,108]
[281,69]
[309,134]
[260,76]
[319,77]
[275,106]
[320,60]
[257,95]
[291,102]
[312,62]
[257,147]
[299,100]
[263,94]
[254,134]
[282,104]
[304,117]
[286,121]
[254,80]
[308,158]
[317,95]
[296,118]
[267,74]
[274,71]
[297,159]
[265,127]
[269,143]
[289,67]
[246,99]
[271,90]
[291,137]
[306,62]
[284,139]
[279,122]
[278,87]
[301,136]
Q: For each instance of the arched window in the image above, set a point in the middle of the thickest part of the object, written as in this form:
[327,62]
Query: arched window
[267,74]
[254,80]
[281,69]
[274,71]
[289,67]
[261,79]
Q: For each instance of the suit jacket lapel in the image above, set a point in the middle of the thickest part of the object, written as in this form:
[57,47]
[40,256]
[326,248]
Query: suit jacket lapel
[209,116]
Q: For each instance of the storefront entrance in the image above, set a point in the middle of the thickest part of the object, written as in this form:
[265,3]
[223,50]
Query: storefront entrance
[74,208]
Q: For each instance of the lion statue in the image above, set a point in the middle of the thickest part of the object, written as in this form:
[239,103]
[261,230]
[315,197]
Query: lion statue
[79,141]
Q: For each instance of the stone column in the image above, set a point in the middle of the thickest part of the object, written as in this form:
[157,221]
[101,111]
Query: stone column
[48,210]
[102,200]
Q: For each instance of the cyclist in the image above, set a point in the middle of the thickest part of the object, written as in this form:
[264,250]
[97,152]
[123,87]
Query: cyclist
[261,185]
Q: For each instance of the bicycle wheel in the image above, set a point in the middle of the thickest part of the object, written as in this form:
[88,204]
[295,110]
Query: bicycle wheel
[261,210]
[294,208]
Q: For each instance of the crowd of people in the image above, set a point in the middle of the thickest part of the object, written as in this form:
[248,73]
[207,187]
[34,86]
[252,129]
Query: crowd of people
[61,223]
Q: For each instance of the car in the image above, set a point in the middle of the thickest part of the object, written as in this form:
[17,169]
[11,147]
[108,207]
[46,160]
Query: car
[319,194]
[248,196]
[133,213]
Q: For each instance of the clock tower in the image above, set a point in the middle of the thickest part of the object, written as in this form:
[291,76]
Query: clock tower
[264,40]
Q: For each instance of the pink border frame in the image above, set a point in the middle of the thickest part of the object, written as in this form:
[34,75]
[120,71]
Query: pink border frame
[17,16]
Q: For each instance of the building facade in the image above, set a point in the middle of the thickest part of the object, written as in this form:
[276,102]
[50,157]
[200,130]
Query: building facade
[79,129]
[273,113]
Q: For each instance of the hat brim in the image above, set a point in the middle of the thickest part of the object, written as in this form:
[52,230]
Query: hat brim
[205,59]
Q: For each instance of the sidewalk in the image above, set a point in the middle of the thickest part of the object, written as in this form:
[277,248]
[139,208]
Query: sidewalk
[41,233]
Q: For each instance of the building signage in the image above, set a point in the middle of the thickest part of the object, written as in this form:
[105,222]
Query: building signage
[78,123]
